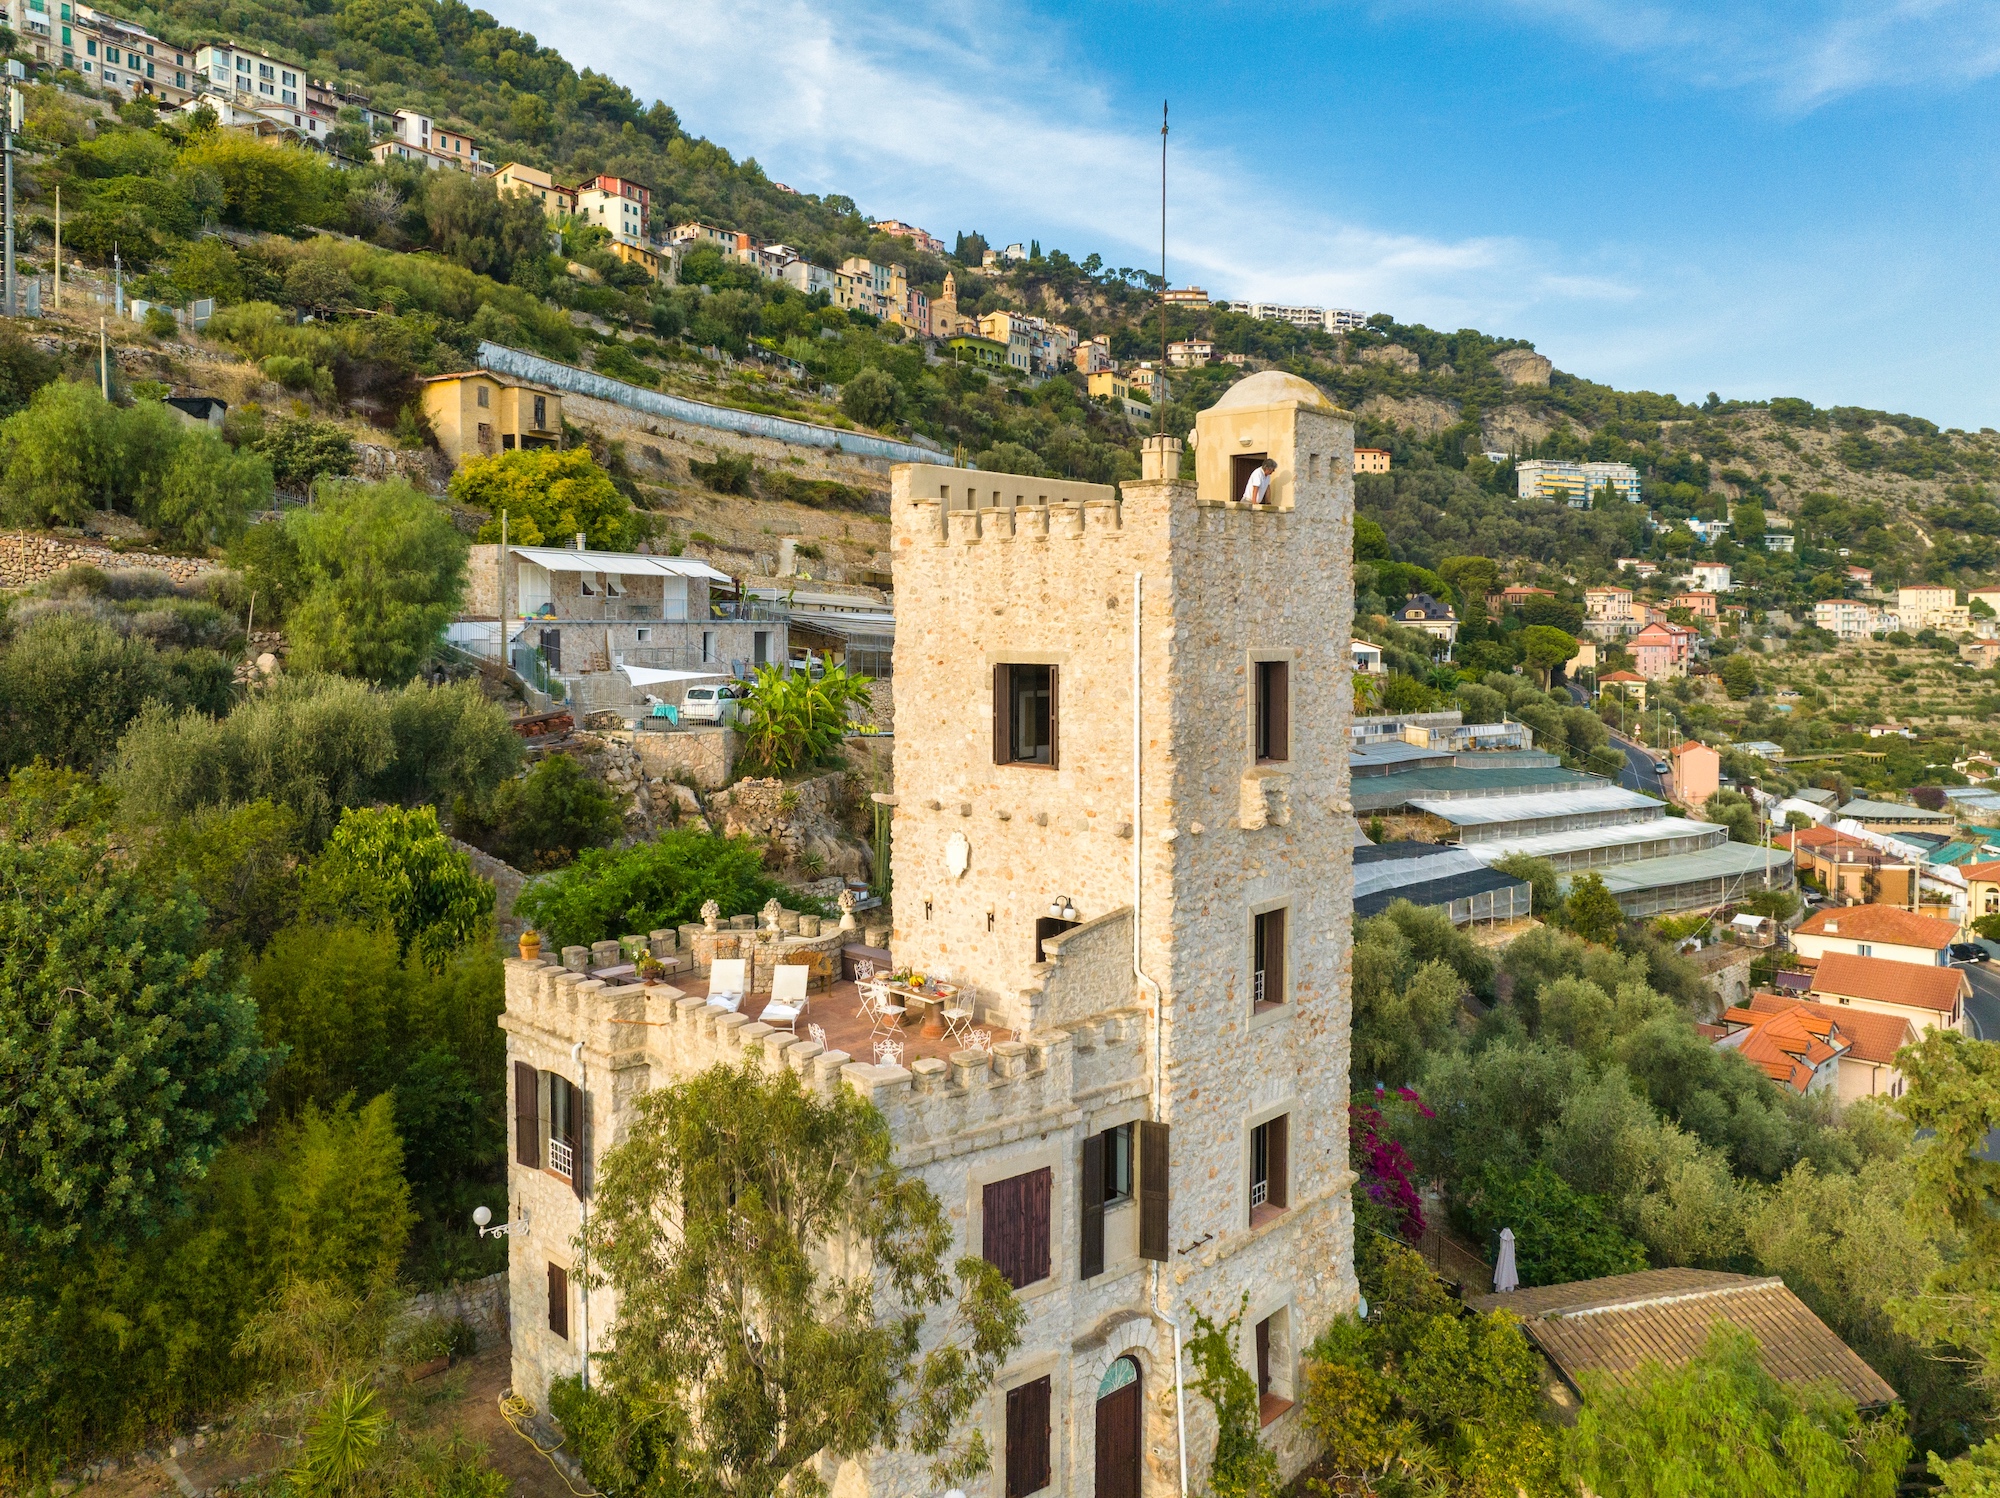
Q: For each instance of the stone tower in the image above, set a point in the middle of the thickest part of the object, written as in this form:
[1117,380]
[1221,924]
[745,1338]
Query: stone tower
[1053,640]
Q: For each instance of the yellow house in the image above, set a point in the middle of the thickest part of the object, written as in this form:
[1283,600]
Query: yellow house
[1371,460]
[1109,384]
[1982,882]
[647,259]
[477,413]
[555,199]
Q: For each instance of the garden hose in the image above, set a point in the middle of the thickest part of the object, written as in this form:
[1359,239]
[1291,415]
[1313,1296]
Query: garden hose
[515,1410]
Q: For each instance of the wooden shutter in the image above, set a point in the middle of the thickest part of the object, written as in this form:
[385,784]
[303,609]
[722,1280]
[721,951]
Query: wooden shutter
[559,1301]
[1277,1161]
[1055,717]
[1153,1191]
[1278,709]
[1274,956]
[1090,1258]
[527,1116]
[1263,1357]
[1014,1232]
[1038,1200]
[1003,716]
[1028,1438]
[579,1129]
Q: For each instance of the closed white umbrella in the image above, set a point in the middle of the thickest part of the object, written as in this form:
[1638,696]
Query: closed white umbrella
[1504,1276]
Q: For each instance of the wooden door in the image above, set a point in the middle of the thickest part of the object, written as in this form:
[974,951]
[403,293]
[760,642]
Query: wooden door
[1118,1420]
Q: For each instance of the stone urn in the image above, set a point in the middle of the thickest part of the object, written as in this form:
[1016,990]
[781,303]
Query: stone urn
[711,914]
[847,904]
[773,915]
[531,946]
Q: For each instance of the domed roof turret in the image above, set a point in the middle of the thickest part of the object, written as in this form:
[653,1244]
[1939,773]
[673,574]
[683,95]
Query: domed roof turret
[1273,387]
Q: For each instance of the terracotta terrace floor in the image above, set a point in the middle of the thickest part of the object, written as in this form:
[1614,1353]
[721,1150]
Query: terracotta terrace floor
[837,1010]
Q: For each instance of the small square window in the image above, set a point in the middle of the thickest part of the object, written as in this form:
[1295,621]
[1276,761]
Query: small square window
[1269,1169]
[1273,709]
[1267,960]
[1025,715]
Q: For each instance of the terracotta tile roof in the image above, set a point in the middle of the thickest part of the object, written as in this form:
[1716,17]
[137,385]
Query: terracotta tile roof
[1980,870]
[1789,1046]
[1615,1325]
[1621,676]
[1870,1036]
[1910,984]
[1884,923]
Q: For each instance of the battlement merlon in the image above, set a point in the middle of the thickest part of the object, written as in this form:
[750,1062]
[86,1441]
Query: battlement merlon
[935,1108]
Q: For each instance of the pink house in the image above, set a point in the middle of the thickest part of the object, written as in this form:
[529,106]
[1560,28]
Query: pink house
[1657,652]
[1697,772]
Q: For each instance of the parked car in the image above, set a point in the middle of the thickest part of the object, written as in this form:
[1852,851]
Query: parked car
[1661,767]
[1967,951]
[712,704]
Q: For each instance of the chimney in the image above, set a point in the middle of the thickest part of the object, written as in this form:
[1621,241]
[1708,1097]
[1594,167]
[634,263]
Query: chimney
[1833,928]
[579,540]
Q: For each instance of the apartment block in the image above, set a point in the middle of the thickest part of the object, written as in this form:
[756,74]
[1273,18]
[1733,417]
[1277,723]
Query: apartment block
[1575,484]
[1847,618]
[616,204]
[1933,608]
[419,138]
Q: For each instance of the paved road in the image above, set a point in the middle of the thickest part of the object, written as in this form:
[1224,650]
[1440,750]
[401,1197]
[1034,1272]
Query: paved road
[1983,1008]
[1638,775]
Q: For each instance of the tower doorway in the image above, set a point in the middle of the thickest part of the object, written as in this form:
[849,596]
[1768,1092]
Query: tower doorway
[1118,1422]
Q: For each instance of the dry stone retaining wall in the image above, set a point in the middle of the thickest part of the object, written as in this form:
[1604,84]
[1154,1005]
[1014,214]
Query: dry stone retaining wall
[27,559]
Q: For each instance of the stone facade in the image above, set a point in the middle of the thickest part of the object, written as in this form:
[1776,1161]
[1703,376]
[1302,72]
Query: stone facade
[1209,597]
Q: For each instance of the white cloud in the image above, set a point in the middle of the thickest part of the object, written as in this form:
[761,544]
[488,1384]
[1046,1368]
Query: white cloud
[1805,53]
[964,119]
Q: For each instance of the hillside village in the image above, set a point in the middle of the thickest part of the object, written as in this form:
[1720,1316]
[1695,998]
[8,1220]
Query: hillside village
[552,685]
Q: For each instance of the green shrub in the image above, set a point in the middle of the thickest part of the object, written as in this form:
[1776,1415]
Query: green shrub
[161,323]
[821,494]
[727,473]
[607,894]
[386,570]
[543,820]
[549,497]
[1560,1234]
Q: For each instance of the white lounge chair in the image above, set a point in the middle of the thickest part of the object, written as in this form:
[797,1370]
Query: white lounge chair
[788,996]
[727,978]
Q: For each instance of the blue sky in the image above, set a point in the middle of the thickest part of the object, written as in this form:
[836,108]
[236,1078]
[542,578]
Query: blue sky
[1793,198]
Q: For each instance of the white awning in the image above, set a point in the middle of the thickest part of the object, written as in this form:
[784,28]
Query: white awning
[647,676]
[618,563]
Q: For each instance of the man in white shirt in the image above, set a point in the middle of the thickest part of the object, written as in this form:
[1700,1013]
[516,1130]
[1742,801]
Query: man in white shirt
[1259,488]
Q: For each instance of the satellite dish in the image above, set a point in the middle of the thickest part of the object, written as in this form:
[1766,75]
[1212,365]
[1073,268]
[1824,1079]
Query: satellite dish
[481,1216]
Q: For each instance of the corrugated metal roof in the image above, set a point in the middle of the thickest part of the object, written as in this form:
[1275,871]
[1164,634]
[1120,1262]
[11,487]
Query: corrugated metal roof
[1486,811]
[1437,891]
[1616,1325]
[1397,865]
[1383,792]
[1582,839]
[1724,861]
[1889,811]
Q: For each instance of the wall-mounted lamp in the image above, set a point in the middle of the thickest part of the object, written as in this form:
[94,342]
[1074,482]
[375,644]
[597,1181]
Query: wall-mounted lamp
[1061,909]
[989,920]
[927,910]
[481,1216]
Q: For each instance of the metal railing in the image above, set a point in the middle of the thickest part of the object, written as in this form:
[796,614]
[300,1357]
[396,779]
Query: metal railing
[1260,1193]
[562,1159]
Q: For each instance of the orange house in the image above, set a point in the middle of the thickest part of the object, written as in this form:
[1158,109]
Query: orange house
[1697,772]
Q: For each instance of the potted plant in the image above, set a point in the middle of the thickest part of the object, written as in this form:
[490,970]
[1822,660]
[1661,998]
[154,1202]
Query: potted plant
[531,945]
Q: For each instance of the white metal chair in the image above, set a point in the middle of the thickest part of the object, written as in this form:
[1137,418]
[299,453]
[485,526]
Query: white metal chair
[888,1053]
[727,979]
[863,970]
[979,1040]
[788,996]
[885,1017]
[957,1015]
[818,1034]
